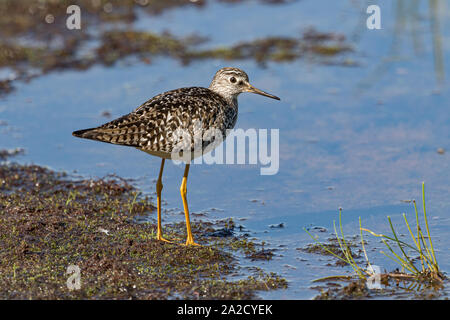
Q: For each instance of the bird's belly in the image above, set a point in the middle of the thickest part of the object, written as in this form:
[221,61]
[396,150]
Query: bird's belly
[195,153]
[161,154]
[196,149]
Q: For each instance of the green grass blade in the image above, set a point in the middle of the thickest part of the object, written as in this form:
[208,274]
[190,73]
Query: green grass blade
[417,223]
[400,246]
[410,231]
[343,239]
[429,259]
[402,263]
[362,244]
[347,254]
[415,242]
[426,224]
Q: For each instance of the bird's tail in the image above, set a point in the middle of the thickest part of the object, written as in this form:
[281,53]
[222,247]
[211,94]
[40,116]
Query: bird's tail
[85,133]
[114,136]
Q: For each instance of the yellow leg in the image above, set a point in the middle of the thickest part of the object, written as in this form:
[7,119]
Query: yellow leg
[159,187]
[183,191]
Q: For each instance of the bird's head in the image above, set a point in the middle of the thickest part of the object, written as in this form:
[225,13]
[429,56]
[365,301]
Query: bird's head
[230,82]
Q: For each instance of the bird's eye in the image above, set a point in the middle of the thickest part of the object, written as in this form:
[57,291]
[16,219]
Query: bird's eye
[233,80]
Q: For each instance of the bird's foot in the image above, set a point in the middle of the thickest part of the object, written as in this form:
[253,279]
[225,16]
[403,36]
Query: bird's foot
[190,242]
[160,238]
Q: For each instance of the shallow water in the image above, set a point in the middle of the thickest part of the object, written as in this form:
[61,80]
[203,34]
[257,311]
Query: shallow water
[362,137]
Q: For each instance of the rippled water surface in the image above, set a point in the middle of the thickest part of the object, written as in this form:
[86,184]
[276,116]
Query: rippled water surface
[359,131]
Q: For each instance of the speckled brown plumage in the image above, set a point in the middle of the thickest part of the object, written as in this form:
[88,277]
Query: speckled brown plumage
[154,126]
[151,127]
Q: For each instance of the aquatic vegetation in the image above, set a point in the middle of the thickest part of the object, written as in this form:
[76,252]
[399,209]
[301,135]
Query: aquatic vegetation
[31,46]
[424,247]
[427,272]
[145,46]
[49,221]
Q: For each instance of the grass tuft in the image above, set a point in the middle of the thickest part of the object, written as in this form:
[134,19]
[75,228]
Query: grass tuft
[428,271]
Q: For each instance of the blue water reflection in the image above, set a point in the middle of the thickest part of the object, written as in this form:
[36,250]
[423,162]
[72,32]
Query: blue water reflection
[362,137]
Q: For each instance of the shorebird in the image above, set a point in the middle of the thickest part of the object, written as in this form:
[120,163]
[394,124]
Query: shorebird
[152,126]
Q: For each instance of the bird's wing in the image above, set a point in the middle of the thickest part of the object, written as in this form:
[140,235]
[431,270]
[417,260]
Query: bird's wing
[152,125]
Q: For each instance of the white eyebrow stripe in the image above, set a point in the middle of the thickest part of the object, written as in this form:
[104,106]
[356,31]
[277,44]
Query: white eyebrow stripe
[234,73]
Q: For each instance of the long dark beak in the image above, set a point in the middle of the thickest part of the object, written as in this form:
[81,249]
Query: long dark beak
[252,89]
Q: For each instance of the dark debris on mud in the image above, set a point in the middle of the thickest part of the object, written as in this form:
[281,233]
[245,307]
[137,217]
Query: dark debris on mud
[48,222]
[392,286]
[333,246]
[5,154]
